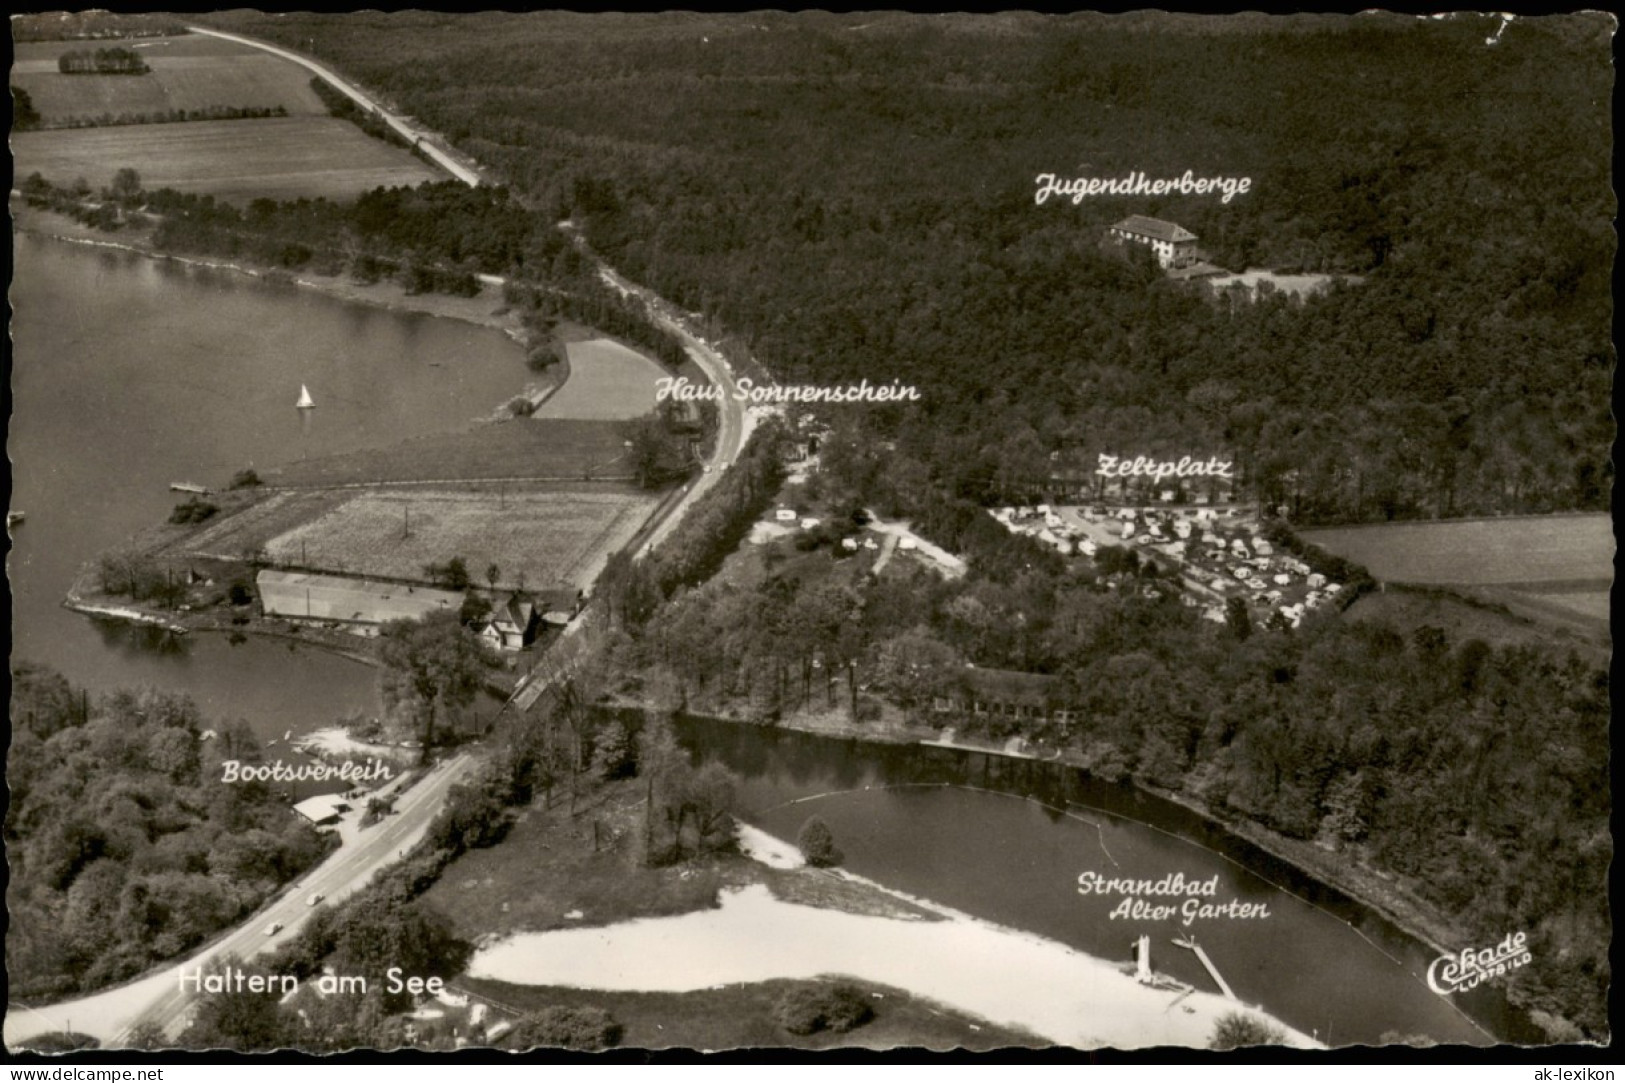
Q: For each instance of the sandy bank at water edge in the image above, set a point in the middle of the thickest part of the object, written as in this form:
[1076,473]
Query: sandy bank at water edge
[1000,974]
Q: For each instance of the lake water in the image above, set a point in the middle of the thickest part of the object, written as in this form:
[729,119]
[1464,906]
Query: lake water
[130,373]
[1007,840]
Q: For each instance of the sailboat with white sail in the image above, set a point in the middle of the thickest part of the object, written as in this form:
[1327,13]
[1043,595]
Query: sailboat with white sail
[305,401]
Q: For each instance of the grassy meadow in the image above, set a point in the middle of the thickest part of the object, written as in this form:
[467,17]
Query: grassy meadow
[190,72]
[552,450]
[233,160]
[1532,553]
[608,382]
[549,536]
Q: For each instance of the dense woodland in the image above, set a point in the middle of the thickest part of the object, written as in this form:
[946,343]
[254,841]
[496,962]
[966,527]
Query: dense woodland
[125,848]
[856,194]
[1477,775]
[93,25]
[567,750]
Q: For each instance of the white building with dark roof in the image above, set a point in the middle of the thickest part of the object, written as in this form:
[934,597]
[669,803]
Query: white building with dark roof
[512,625]
[1174,245]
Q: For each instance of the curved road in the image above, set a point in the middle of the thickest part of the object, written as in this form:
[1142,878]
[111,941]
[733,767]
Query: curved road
[730,411]
[159,998]
[422,139]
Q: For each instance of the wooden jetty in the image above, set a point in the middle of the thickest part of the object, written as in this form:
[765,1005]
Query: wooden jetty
[1213,971]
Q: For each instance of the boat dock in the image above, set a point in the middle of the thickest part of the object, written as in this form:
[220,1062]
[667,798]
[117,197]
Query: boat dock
[1213,971]
[116,612]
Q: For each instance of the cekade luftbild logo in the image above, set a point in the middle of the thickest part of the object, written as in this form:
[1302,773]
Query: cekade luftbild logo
[1458,973]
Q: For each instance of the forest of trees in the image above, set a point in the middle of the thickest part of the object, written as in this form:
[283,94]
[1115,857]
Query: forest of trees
[167,116]
[93,25]
[125,848]
[758,177]
[857,202]
[860,203]
[1477,774]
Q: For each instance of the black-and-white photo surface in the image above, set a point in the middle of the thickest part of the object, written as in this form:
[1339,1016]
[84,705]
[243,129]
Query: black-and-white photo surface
[809,531]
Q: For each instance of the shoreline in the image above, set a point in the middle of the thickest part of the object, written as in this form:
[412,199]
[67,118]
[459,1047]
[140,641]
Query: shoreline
[481,311]
[957,959]
[1403,914]
[1420,927]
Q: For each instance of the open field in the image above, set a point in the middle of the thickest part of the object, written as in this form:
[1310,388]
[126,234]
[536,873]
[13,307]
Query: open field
[1591,604]
[234,160]
[608,381]
[190,72]
[231,536]
[1582,610]
[1528,552]
[550,536]
[1501,618]
[553,450]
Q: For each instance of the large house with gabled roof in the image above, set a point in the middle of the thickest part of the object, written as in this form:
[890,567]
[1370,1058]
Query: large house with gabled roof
[1173,245]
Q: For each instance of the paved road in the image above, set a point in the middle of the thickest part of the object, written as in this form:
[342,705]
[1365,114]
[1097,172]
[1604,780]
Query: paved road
[560,660]
[422,139]
[347,871]
[730,411]
[112,1014]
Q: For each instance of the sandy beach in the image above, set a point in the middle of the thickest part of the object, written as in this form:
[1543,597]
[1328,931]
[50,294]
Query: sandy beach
[999,974]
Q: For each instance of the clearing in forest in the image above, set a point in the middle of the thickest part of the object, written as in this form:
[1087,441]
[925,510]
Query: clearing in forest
[1526,551]
[1555,570]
